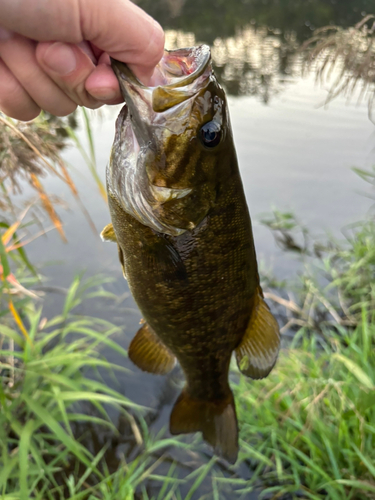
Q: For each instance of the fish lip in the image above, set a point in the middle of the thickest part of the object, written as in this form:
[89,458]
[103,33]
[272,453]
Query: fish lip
[202,53]
[180,75]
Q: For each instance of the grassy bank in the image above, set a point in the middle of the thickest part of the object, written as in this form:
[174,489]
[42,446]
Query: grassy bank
[53,402]
[307,431]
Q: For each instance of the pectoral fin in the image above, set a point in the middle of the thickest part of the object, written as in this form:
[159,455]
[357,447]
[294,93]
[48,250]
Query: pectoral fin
[164,257]
[148,352]
[258,350]
[108,233]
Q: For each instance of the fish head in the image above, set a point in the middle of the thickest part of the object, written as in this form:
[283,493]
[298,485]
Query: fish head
[171,141]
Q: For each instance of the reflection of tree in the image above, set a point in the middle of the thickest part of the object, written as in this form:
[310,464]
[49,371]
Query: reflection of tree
[254,42]
[250,63]
[254,63]
[209,19]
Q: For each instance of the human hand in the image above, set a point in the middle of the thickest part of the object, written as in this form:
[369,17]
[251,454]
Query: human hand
[54,55]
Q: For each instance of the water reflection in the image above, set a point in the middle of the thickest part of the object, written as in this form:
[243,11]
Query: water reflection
[250,63]
[254,43]
[213,18]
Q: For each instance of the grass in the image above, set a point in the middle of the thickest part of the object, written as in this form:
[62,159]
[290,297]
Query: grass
[50,390]
[308,430]
[30,151]
[42,380]
[338,275]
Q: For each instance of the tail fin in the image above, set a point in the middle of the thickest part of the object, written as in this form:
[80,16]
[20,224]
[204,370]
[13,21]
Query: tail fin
[215,419]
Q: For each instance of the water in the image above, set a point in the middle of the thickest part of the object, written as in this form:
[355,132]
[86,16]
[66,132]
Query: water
[294,153]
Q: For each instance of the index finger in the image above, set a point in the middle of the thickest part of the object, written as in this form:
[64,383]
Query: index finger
[117,27]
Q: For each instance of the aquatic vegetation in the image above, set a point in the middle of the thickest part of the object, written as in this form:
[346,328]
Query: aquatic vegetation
[28,152]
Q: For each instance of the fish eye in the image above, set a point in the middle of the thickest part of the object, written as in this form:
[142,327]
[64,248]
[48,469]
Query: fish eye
[210,134]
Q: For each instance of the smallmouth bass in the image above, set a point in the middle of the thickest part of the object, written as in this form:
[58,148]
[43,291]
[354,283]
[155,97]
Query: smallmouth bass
[185,243]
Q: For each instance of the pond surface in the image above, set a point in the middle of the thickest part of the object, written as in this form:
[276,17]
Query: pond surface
[294,153]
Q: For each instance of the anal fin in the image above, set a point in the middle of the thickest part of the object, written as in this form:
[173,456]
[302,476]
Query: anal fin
[257,353]
[148,352]
[215,419]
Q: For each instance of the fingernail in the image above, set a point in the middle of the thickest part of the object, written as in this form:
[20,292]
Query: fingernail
[61,58]
[5,34]
[85,47]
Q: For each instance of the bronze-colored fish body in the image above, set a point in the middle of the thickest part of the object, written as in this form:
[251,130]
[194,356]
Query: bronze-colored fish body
[185,243]
[195,290]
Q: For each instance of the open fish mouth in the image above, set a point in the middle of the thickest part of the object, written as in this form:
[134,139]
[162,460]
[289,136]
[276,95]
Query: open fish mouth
[151,115]
[178,76]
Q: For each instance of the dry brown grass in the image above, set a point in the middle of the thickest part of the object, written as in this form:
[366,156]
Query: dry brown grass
[28,152]
[349,51]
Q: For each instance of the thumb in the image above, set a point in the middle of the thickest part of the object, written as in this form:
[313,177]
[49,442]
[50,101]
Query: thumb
[117,27]
[125,32]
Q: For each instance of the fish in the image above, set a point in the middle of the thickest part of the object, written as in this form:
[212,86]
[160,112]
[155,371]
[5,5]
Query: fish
[185,242]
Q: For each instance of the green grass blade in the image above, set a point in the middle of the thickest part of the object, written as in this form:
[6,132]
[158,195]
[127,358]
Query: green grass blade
[4,259]
[202,475]
[24,459]
[370,466]
[77,449]
[356,370]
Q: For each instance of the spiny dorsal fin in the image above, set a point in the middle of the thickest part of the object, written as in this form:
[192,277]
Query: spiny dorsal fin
[108,233]
[148,352]
[215,419]
[258,350]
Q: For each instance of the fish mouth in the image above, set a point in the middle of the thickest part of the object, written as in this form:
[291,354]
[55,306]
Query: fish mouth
[151,114]
[179,75]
